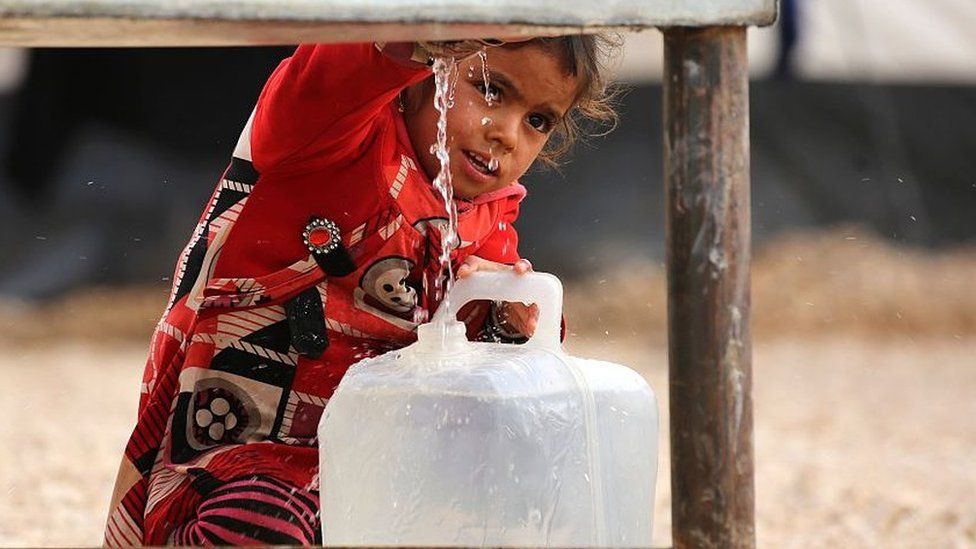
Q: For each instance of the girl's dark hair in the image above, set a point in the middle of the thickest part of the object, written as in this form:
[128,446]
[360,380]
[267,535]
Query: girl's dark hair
[587,57]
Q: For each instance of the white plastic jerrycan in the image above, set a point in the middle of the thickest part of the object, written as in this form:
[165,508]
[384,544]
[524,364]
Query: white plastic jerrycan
[453,443]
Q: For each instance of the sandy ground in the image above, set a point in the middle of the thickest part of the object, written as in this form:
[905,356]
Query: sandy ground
[858,443]
[865,396]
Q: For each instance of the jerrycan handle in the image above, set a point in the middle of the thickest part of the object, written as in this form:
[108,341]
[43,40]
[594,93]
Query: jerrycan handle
[543,289]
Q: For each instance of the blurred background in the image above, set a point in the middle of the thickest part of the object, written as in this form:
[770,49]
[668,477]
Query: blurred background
[863,123]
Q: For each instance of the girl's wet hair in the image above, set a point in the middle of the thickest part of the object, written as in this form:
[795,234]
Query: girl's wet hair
[587,57]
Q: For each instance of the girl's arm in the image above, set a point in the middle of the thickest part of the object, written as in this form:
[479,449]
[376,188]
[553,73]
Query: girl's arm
[320,103]
[502,245]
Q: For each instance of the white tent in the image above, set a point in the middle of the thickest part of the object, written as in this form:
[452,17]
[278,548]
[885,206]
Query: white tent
[860,40]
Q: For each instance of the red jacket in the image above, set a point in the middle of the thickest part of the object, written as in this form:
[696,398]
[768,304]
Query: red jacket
[262,324]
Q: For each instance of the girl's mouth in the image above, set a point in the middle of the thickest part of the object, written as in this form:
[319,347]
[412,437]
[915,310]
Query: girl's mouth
[487,166]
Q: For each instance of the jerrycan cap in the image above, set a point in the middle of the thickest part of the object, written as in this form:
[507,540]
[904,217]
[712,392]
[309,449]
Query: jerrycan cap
[542,289]
[446,335]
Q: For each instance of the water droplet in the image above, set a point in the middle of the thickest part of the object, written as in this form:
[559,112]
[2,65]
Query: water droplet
[489,96]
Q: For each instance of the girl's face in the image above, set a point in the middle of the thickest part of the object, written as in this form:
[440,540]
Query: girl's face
[492,145]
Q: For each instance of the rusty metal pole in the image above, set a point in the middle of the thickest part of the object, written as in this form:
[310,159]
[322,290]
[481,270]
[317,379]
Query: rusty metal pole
[706,152]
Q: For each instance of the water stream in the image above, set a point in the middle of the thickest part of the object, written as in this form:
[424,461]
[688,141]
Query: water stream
[443,95]
[445,82]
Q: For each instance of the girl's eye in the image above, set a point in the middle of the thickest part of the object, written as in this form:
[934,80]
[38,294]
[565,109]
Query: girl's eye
[490,92]
[540,123]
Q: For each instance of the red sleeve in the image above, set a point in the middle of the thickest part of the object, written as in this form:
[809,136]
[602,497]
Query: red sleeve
[320,102]
[502,245]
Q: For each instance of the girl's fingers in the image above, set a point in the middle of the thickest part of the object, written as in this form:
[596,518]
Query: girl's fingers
[531,319]
[522,266]
[520,318]
[495,42]
[473,263]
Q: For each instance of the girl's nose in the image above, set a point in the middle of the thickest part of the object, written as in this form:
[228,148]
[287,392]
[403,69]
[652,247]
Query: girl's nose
[503,131]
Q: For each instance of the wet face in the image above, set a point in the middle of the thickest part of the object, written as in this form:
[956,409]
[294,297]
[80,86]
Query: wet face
[493,143]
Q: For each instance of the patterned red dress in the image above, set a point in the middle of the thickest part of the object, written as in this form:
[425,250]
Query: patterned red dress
[310,255]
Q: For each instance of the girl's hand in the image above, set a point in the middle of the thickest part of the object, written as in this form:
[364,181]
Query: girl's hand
[458,49]
[461,49]
[513,317]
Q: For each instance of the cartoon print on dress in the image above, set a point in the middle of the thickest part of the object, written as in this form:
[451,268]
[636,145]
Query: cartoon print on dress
[439,225]
[216,409]
[220,416]
[385,292]
[219,413]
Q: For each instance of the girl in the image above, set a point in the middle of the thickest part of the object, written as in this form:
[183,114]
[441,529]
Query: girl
[321,246]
